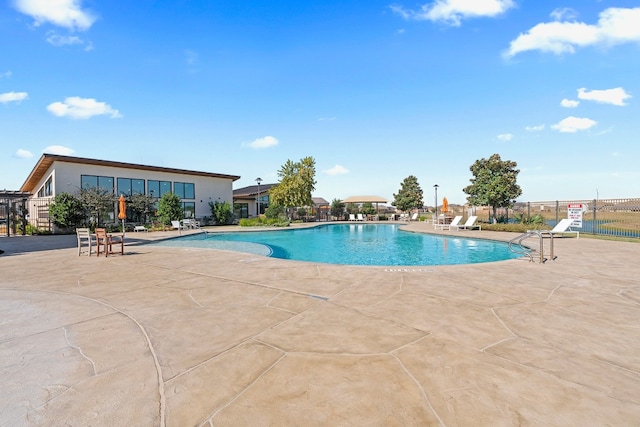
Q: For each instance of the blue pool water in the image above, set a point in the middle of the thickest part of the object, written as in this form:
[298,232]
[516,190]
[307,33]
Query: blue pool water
[353,244]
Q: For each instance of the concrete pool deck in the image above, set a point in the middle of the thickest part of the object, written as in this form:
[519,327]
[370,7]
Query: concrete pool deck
[188,337]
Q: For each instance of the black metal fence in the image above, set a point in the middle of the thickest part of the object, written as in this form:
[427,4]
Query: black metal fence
[612,217]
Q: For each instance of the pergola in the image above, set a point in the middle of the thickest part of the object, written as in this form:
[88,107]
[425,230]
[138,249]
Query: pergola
[8,199]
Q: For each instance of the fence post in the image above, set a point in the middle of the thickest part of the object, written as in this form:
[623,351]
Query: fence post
[529,211]
[594,216]
[557,211]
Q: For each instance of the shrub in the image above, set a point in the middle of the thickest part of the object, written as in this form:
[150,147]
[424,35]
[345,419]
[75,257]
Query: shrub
[274,211]
[261,221]
[221,212]
[66,210]
[169,208]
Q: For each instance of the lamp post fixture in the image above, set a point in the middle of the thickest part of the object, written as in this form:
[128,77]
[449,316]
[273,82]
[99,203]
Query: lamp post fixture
[258,180]
[436,188]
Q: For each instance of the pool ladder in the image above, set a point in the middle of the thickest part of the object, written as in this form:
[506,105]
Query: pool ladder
[516,246]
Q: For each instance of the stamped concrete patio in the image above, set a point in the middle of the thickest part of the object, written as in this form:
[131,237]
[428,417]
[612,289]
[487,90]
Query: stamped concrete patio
[189,337]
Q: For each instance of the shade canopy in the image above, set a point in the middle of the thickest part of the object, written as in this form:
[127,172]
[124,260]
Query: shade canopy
[365,199]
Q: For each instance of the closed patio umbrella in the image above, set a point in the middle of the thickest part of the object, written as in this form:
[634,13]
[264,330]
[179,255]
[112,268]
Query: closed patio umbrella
[122,210]
[445,205]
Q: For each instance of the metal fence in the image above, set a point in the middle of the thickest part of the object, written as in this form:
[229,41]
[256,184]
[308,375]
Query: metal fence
[611,217]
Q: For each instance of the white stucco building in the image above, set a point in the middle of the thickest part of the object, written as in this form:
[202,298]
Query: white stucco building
[55,174]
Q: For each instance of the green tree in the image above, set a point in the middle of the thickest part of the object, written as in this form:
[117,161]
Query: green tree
[169,208]
[274,211]
[368,209]
[337,208]
[67,210]
[409,196]
[297,182]
[494,183]
[99,202]
[141,206]
[221,212]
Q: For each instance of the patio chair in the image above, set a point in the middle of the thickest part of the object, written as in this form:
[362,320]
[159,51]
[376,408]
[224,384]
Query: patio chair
[84,240]
[140,228]
[454,223]
[360,217]
[471,223]
[415,216]
[352,217]
[562,227]
[107,241]
[177,225]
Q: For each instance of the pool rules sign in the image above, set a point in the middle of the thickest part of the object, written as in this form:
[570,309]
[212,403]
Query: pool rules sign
[574,213]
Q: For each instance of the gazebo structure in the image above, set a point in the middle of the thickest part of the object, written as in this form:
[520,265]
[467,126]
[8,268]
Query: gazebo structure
[365,199]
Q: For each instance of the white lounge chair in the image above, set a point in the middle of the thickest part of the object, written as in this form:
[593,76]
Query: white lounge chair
[470,223]
[564,226]
[454,223]
[140,228]
[360,217]
[176,225]
[415,217]
[352,217]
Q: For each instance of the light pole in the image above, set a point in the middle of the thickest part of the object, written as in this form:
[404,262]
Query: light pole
[258,180]
[436,188]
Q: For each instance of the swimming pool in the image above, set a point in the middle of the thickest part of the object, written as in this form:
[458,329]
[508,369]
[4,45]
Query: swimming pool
[353,244]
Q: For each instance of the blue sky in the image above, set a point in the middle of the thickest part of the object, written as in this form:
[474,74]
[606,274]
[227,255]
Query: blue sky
[374,90]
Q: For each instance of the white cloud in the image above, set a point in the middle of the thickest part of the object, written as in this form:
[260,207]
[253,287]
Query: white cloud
[58,149]
[536,128]
[569,103]
[453,12]
[82,108]
[6,74]
[266,142]
[615,96]
[564,14]
[59,40]
[615,26]
[337,170]
[24,154]
[574,124]
[62,13]
[505,137]
[13,97]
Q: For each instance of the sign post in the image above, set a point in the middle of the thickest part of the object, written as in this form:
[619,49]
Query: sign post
[574,213]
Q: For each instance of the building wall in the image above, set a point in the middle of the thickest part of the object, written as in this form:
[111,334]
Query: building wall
[67,179]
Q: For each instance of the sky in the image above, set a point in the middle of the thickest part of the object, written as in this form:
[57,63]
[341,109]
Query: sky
[374,91]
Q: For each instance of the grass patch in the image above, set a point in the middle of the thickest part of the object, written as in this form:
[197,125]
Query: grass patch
[607,237]
[513,228]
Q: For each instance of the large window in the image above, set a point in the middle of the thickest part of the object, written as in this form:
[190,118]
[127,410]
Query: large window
[241,210]
[189,209]
[47,188]
[158,188]
[128,186]
[100,182]
[184,190]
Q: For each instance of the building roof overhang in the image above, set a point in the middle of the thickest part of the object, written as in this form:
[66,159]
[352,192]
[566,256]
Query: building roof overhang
[47,160]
